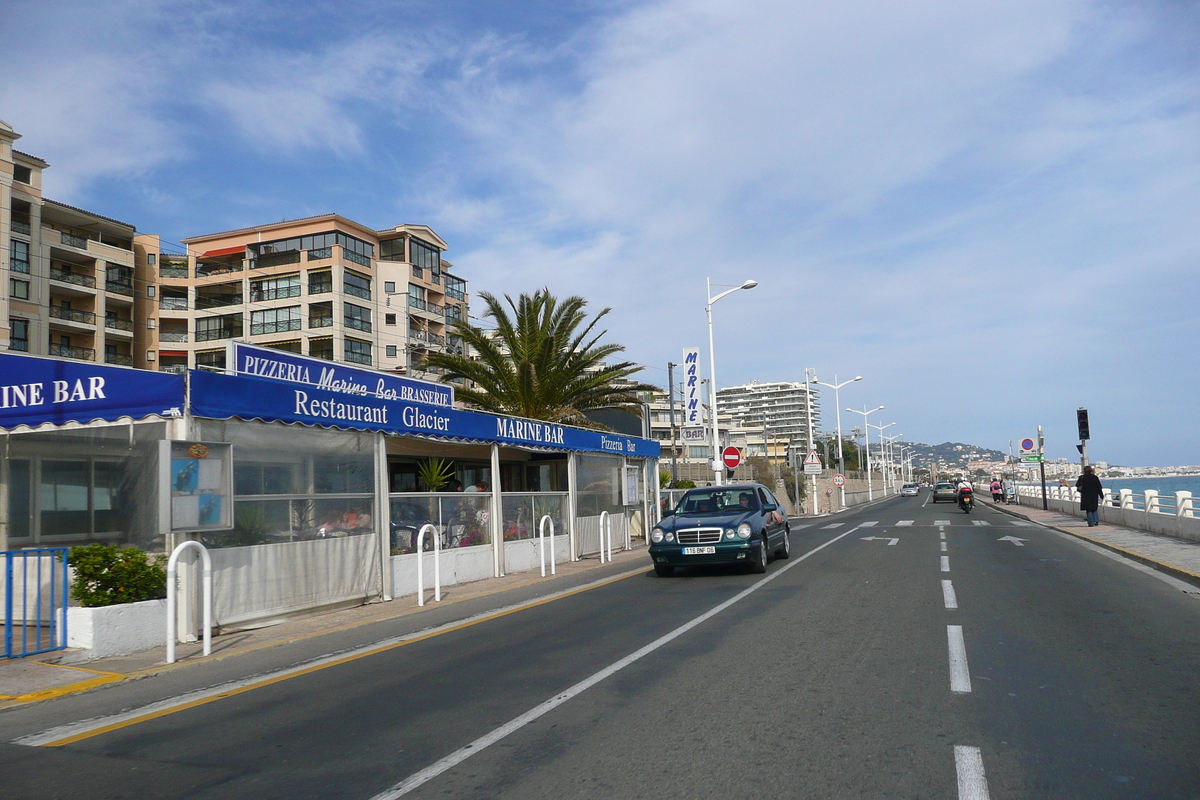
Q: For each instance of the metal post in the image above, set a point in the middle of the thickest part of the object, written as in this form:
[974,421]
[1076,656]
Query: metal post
[542,543]
[717,467]
[572,509]
[1042,465]
[172,563]
[383,516]
[671,403]
[437,566]
[497,504]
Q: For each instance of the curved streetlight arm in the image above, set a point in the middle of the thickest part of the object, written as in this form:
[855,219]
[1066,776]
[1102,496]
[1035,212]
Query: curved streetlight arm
[712,373]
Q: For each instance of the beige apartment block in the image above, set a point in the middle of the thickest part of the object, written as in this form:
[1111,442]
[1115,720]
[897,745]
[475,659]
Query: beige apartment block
[69,275]
[322,286]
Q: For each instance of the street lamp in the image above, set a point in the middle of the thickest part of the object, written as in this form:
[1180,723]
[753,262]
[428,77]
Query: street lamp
[882,454]
[867,444]
[717,466]
[837,404]
[891,456]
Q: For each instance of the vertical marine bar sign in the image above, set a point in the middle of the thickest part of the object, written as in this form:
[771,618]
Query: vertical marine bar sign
[691,388]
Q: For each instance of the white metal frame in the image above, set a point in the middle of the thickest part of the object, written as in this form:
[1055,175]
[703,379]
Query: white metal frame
[171,590]
[437,565]
[542,544]
[605,525]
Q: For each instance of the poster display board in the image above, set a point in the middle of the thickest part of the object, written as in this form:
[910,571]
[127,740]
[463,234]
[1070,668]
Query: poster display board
[196,479]
[633,486]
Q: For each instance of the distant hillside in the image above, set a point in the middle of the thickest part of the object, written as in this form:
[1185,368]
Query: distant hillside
[954,455]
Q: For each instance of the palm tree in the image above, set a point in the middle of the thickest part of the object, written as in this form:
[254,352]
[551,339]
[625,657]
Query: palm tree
[542,362]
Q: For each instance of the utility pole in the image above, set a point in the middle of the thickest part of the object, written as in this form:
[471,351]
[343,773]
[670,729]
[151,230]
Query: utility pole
[1042,464]
[671,403]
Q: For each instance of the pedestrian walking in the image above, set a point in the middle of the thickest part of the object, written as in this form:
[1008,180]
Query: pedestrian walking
[1090,492]
[997,490]
[1009,490]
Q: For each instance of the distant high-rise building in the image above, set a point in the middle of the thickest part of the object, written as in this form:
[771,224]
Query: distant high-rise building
[780,408]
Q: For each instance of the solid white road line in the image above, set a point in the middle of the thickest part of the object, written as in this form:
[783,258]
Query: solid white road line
[928,497]
[904,523]
[980,522]
[941,522]
[463,753]
[945,563]
[943,546]
[868,524]
[972,783]
[948,596]
[1020,522]
[960,675]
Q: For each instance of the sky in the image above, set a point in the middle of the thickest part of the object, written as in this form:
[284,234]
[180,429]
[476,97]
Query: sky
[989,210]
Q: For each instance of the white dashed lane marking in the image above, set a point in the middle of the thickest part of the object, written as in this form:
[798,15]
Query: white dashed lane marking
[945,563]
[972,782]
[980,522]
[904,523]
[941,522]
[834,525]
[943,546]
[948,595]
[960,674]
[868,524]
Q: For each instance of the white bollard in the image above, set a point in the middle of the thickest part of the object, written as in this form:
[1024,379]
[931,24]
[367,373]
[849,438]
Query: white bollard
[172,563]
[542,543]
[437,566]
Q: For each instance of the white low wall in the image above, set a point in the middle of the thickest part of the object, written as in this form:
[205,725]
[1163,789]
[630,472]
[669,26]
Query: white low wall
[524,555]
[117,630]
[456,565]
[1143,512]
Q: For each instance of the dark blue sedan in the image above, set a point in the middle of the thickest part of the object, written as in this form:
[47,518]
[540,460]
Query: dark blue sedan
[721,525]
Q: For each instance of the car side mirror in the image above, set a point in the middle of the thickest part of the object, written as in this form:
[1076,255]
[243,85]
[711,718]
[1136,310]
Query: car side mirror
[670,512]
[769,507]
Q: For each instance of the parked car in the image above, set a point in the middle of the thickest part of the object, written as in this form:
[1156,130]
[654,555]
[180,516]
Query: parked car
[908,490]
[944,490]
[740,524]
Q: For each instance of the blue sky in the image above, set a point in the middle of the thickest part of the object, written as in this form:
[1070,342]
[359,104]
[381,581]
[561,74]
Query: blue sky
[991,211]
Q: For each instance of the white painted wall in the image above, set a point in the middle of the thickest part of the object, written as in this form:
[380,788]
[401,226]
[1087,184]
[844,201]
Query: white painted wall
[116,630]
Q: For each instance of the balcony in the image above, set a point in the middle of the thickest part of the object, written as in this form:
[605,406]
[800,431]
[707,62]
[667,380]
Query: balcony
[67,351]
[21,227]
[119,324]
[73,240]
[259,295]
[67,276]
[173,303]
[357,259]
[274,326]
[177,369]
[71,315]
[320,254]
[172,270]
[19,344]
[203,270]
[172,336]
[120,359]
[357,291]
[358,358]
[425,308]
[119,287]
[278,259]
[357,324]
[320,321]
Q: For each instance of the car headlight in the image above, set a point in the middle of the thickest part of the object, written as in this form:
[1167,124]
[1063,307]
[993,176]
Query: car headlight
[744,531]
[670,537]
[656,535]
[730,533]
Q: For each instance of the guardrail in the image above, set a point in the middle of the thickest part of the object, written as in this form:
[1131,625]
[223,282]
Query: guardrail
[35,601]
[1172,515]
[172,563]
[437,563]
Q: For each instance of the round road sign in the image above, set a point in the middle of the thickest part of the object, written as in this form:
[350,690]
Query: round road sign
[731,457]
[1027,444]
[839,480]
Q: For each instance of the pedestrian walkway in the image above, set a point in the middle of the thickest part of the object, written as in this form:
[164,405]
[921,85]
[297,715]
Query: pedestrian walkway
[27,680]
[1179,558]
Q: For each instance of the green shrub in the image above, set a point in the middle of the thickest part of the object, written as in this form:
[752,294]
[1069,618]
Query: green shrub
[106,575]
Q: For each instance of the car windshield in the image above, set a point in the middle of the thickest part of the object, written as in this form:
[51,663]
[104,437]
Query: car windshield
[944,486]
[717,501]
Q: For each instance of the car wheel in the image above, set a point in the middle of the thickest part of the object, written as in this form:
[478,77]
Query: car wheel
[785,549]
[664,570]
[760,562]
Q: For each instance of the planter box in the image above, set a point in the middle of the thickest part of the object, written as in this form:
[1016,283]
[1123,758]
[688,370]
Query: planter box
[117,630]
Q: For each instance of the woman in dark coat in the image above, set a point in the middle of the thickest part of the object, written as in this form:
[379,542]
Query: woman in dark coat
[1090,492]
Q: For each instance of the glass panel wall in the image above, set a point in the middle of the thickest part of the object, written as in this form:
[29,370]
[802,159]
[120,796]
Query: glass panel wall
[461,519]
[523,512]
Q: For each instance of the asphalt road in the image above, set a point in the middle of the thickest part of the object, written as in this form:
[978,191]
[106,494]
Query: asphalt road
[834,675]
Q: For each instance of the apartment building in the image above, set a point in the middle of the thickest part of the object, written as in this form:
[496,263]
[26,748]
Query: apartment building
[781,409]
[323,286]
[70,286]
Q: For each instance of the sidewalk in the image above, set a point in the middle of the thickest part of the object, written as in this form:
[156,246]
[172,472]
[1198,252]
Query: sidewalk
[44,677]
[1178,558]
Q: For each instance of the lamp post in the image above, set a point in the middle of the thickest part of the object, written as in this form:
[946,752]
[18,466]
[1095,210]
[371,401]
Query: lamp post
[717,467]
[891,457]
[867,445]
[837,404]
[882,454]
[671,406]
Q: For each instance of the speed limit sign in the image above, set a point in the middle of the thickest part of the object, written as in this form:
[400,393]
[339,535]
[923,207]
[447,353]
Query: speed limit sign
[839,480]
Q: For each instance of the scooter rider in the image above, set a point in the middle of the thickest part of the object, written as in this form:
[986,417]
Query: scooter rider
[966,492]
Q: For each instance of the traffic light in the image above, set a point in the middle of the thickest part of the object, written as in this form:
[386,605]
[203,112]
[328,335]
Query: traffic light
[1081,416]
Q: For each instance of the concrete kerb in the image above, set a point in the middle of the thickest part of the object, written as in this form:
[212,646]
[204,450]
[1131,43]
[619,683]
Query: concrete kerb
[372,613]
[1162,566]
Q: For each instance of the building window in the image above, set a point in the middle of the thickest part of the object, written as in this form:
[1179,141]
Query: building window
[698,451]
[18,290]
[210,358]
[357,317]
[226,326]
[426,256]
[22,174]
[358,351]
[456,287]
[357,285]
[321,348]
[320,315]
[389,287]
[389,319]
[19,260]
[275,320]
[320,282]
[392,249]
[276,288]
[151,258]
[391,351]
[20,335]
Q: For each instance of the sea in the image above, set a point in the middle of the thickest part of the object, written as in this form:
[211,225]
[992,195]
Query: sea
[1185,483]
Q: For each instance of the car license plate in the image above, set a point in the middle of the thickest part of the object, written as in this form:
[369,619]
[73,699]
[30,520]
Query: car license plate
[699,551]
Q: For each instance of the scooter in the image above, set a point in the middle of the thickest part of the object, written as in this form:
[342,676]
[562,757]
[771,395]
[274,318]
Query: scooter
[966,500]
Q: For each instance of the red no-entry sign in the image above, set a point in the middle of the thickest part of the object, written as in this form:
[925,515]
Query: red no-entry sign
[731,457]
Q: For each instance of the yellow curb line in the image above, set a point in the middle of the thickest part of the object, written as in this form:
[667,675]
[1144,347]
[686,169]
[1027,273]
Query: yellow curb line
[70,688]
[316,668]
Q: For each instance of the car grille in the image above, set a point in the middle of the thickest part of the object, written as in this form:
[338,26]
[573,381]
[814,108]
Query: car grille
[700,536]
